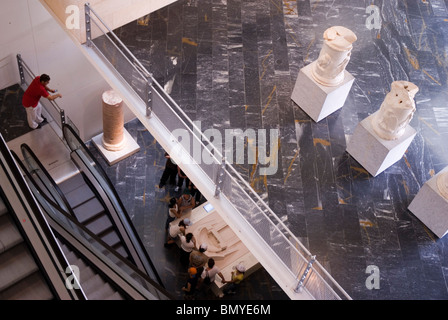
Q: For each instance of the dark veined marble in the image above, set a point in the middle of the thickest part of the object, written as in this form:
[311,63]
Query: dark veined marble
[233,64]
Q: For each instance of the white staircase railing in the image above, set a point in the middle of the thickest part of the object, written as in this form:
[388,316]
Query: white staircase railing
[262,231]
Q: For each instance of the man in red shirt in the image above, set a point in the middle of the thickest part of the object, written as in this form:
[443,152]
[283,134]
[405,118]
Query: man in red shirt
[37,89]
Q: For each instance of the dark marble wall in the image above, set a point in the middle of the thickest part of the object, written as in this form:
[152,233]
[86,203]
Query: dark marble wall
[233,64]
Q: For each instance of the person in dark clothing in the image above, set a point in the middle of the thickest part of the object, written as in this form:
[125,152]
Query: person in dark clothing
[195,193]
[169,173]
[190,286]
[181,177]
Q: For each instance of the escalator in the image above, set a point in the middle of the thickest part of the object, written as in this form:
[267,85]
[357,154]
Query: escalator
[94,285]
[89,197]
[86,163]
[20,276]
[100,271]
[47,253]
[30,257]
[77,196]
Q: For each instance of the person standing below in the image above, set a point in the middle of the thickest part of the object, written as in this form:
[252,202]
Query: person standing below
[170,172]
[208,276]
[234,283]
[186,202]
[190,286]
[36,90]
[195,193]
[181,177]
[198,259]
[187,244]
[173,212]
[176,231]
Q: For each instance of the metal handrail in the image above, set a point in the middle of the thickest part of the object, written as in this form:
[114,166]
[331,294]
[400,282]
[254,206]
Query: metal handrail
[216,155]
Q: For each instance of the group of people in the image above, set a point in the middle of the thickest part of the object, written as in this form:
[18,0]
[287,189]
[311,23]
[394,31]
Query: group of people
[202,270]
[173,171]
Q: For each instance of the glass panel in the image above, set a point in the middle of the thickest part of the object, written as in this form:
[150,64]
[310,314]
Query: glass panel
[46,183]
[194,146]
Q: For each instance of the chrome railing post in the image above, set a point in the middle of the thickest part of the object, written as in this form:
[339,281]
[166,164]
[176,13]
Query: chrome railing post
[62,113]
[220,178]
[149,99]
[22,74]
[88,24]
[305,274]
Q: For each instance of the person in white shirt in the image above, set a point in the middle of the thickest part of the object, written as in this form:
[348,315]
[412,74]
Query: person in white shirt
[210,272]
[188,243]
[173,212]
[176,230]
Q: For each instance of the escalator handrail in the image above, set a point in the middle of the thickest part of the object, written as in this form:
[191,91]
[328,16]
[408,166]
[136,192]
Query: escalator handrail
[25,147]
[91,234]
[114,194]
[42,229]
[108,213]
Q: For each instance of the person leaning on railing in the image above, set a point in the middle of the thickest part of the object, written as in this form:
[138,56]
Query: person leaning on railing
[36,90]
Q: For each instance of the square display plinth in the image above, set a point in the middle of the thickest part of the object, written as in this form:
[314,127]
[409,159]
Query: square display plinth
[316,100]
[431,207]
[113,157]
[376,154]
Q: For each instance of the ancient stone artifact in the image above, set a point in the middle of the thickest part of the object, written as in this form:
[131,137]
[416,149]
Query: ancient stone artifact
[334,56]
[396,112]
[113,122]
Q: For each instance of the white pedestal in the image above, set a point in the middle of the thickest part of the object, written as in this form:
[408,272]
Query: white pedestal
[316,100]
[431,208]
[376,154]
[112,157]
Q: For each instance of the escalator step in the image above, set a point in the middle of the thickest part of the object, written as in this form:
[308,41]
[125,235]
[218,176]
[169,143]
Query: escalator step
[88,210]
[101,292]
[79,195]
[115,296]
[72,183]
[111,238]
[99,225]
[15,264]
[9,235]
[120,249]
[32,287]
[96,288]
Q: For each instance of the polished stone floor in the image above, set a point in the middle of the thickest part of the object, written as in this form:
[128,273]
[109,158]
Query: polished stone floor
[233,64]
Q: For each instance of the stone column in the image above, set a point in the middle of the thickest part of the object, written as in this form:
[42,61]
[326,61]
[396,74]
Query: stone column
[113,122]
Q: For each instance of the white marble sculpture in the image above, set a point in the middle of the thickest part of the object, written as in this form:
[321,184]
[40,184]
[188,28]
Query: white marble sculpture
[442,184]
[334,56]
[222,244]
[396,112]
